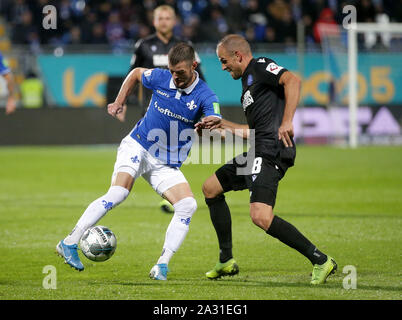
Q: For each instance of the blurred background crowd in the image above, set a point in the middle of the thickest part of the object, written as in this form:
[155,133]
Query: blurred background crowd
[119,23]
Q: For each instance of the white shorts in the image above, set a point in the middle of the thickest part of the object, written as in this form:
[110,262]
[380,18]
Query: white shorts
[133,159]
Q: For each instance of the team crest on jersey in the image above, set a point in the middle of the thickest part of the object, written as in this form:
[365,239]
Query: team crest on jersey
[247,100]
[148,72]
[249,80]
[191,105]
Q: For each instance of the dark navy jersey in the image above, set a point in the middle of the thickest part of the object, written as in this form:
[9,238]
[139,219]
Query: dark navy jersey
[152,52]
[167,129]
[263,101]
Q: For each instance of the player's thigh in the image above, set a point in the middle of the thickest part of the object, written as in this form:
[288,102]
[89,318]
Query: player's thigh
[168,182]
[263,183]
[231,176]
[129,163]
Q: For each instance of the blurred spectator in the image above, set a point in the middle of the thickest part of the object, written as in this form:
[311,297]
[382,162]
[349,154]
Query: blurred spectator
[114,29]
[365,11]
[234,14]
[98,34]
[325,23]
[22,29]
[126,21]
[216,28]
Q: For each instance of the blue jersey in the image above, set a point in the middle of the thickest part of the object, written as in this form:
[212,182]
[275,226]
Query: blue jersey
[167,128]
[3,68]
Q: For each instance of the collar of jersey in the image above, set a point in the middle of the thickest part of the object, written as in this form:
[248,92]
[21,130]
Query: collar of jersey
[189,88]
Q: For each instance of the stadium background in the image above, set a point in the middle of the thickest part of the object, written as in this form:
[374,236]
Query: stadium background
[83,61]
[348,201]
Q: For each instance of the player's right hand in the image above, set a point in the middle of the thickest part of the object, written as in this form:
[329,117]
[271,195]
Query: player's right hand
[114,108]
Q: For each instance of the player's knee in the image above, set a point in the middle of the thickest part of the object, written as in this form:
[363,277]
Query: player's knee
[185,208]
[114,196]
[261,215]
[209,190]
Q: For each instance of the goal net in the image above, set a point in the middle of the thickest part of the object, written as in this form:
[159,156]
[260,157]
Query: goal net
[364,68]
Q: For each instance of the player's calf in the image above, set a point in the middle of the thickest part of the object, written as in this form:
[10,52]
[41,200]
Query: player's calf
[95,211]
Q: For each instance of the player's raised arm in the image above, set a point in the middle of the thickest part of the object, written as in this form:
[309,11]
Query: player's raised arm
[292,85]
[132,79]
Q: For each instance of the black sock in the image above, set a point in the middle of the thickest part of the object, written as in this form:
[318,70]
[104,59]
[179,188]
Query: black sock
[289,235]
[222,221]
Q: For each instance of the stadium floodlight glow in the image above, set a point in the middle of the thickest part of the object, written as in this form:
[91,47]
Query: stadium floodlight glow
[353,30]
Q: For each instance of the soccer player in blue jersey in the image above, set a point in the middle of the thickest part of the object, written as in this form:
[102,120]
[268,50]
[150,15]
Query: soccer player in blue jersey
[155,149]
[5,72]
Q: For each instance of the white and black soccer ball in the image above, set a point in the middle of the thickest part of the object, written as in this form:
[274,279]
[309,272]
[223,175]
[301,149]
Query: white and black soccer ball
[98,243]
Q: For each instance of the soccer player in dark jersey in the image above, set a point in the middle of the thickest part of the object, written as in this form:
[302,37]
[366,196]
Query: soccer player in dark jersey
[269,98]
[152,51]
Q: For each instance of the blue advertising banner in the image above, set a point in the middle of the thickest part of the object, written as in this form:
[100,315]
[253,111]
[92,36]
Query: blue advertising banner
[80,80]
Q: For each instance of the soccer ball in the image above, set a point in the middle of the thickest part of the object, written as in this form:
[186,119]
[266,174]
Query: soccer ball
[98,243]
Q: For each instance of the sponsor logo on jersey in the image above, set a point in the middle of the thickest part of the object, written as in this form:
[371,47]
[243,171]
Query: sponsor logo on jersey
[163,93]
[247,100]
[160,60]
[191,105]
[148,72]
[169,113]
[273,68]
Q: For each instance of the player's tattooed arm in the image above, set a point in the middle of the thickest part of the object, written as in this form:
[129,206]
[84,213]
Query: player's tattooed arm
[132,79]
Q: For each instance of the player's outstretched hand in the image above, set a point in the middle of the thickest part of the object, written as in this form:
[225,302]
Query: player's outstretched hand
[114,109]
[210,122]
[285,133]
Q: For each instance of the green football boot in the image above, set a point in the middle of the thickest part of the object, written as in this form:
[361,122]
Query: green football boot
[229,268]
[322,271]
[166,206]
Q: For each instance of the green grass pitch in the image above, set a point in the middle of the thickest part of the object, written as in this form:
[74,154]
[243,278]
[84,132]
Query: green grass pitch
[347,202]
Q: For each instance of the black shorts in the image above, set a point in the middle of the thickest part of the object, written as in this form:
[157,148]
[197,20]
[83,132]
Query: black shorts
[261,179]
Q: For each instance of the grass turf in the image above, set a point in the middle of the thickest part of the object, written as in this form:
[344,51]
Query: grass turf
[347,202]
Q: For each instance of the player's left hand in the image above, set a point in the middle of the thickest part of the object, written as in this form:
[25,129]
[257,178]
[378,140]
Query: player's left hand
[285,133]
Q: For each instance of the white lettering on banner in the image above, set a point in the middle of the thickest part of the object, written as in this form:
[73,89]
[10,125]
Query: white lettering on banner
[320,122]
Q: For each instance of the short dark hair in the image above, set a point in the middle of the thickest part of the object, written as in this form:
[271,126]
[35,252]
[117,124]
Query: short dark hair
[181,52]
